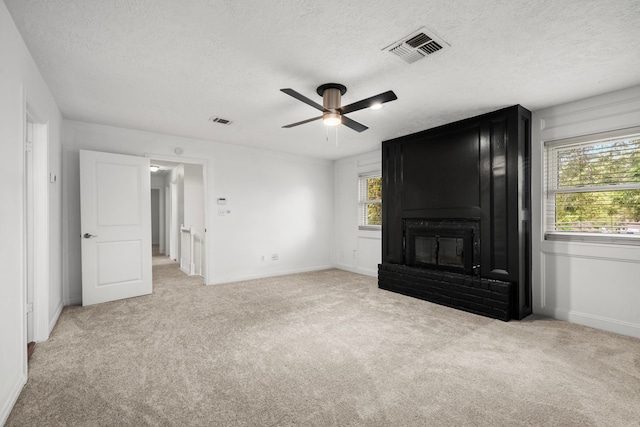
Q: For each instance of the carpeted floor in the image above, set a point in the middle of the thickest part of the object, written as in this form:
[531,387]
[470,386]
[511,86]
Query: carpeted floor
[325,348]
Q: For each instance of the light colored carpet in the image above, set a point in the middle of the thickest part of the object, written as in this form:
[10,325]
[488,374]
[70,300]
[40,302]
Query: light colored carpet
[325,348]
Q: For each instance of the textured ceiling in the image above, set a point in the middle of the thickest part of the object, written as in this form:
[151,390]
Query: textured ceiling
[168,66]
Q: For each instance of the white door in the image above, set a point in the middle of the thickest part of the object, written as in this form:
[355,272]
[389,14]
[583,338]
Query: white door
[115,198]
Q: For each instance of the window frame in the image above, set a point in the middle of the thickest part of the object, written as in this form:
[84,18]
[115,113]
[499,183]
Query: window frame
[363,201]
[550,190]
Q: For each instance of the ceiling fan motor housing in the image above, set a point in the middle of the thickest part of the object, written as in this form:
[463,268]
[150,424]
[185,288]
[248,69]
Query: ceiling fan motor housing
[331,97]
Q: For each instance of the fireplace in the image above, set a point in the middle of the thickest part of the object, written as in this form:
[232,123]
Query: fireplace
[456,216]
[450,245]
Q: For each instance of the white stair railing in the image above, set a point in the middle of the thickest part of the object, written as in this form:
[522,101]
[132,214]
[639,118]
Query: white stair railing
[187,255]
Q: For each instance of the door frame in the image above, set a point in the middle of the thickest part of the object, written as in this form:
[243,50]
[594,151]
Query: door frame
[174,226]
[40,261]
[167,220]
[205,164]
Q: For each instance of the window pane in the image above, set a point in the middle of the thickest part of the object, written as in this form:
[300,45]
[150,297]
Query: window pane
[374,188]
[370,200]
[598,212]
[612,162]
[374,214]
[594,186]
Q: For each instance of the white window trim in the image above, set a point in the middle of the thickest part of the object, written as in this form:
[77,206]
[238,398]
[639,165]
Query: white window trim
[549,193]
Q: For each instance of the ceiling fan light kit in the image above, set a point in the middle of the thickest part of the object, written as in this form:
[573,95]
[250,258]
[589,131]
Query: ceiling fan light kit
[331,119]
[333,113]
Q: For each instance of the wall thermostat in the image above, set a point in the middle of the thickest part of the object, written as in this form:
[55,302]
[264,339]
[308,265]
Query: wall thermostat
[222,201]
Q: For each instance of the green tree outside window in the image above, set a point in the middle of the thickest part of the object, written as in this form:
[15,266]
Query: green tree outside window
[597,187]
[370,200]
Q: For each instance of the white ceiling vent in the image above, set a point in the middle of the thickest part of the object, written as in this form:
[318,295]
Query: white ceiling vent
[416,45]
[220,120]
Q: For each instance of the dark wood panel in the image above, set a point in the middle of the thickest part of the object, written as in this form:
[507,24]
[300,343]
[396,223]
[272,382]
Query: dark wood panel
[498,216]
[472,212]
[392,204]
[523,290]
[442,171]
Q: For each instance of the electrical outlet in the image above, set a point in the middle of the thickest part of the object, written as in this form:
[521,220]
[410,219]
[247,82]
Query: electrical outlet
[222,212]
[274,257]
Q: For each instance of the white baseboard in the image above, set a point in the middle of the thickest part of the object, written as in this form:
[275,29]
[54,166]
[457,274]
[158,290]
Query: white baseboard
[233,279]
[56,316]
[7,406]
[363,271]
[73,301]
[593,321]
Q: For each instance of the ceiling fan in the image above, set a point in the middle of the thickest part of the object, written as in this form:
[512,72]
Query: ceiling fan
[332,113]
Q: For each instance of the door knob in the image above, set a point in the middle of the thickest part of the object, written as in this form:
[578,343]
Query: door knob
[88,236]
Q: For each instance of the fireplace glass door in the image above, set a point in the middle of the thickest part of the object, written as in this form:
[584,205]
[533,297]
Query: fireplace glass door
[450,251]
[439,248]
[436,250]
[427,249]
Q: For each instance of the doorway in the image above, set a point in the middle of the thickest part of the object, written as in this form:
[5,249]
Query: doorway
[180,183]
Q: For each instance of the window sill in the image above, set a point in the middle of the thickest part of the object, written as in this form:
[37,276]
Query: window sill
[601,251]
[370,227]
[609,239]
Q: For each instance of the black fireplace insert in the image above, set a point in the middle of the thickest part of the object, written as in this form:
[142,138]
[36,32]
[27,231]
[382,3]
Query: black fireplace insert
[441,245]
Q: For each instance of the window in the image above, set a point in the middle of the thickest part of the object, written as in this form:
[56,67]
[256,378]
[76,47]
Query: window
[593,189]
[370,201]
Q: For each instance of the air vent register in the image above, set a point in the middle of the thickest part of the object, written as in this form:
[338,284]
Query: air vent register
[417,45]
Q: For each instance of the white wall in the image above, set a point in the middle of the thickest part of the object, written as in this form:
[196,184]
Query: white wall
[194,210]
[280,203]
[193,197]
[592,284]
[355,250]
[19,76]
[175,181]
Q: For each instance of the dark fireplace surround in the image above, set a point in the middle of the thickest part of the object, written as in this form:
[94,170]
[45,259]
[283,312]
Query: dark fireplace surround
[456,215]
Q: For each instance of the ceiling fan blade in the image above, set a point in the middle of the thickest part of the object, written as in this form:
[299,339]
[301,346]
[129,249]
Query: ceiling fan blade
[302,98]
[366,103]
[302,122]
[352,124]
